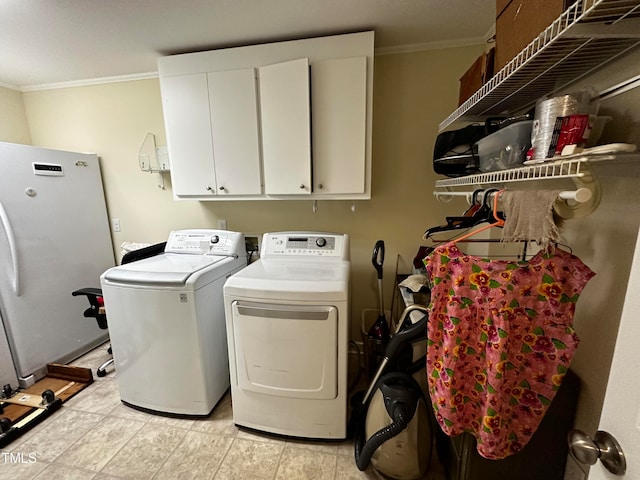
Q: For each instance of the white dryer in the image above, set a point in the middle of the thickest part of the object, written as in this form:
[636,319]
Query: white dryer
[166,322]
[287,320]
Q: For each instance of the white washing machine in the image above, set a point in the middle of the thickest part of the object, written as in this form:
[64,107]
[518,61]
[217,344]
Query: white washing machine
[287,320]
[166,322]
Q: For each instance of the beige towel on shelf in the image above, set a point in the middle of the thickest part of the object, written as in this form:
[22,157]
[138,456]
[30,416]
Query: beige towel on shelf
[529,216]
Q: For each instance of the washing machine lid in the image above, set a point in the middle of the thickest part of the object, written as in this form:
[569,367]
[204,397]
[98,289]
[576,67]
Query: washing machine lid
[292,279]
[167,269]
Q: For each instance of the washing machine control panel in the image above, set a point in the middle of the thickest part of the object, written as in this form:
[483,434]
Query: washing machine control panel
[205,242]
[300,244]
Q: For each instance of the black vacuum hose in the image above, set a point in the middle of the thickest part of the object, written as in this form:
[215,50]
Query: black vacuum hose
[401,418]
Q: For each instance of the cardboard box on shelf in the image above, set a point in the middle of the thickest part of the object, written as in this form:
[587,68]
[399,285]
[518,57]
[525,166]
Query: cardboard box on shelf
[477,75]
[500,6]
[518,22]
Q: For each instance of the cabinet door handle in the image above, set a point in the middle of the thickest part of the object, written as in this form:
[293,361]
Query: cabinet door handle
[221,188]
[302,187]
[320,186]
[209,189]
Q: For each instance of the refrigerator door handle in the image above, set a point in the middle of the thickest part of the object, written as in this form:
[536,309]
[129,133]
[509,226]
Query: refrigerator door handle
[4,218]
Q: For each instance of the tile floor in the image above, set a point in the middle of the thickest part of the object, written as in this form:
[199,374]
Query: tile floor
[95,436]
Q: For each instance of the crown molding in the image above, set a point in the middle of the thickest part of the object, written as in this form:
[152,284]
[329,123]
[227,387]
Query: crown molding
[9,86]
[488,37]
[89,82]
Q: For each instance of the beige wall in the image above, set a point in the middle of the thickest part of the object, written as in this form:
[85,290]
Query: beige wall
[412,93]
[13,120]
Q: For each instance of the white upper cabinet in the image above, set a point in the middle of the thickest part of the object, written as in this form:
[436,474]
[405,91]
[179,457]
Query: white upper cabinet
[339,105]
[185,101]
[284,120]
[213,133]
[286,130]
[235,131]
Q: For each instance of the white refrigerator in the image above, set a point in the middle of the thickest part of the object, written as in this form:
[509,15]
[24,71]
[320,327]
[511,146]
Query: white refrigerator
[54,238]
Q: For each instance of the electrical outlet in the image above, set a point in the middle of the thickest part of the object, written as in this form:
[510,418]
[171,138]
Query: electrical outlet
[115,223]
[222,224]
[252,243]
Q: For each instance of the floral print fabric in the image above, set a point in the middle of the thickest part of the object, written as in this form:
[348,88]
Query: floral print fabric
[500,340]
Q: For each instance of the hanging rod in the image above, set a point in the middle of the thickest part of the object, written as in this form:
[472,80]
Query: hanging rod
[581,195]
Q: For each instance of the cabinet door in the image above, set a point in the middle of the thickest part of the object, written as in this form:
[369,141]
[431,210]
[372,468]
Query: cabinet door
[234,127]
[339,106]
[286,133]
[185,100]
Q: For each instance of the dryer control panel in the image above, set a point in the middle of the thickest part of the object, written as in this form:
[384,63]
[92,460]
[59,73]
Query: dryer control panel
[305,244]
[206,242]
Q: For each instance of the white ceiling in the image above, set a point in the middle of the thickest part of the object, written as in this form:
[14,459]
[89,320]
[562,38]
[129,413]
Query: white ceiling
[49,42]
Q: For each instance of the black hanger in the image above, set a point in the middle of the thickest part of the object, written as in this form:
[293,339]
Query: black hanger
[460,222]
[477,215]
[486,213]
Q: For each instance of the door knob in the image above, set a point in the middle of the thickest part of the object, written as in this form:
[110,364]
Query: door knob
[603,447]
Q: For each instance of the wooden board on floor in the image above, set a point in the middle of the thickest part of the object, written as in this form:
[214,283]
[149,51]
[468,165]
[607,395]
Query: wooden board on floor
[64,380]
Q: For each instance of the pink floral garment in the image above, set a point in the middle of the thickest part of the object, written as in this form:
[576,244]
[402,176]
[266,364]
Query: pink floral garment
[500,340]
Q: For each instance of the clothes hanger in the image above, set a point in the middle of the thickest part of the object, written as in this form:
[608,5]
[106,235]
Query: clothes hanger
[486,213]
[456,223]
[497,221]
[477,213]
[475,204]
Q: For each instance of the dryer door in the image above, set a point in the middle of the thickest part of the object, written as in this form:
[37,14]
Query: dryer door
[286,350]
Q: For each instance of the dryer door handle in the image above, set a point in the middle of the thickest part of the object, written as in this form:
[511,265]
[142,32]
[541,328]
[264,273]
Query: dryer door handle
[293,314]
